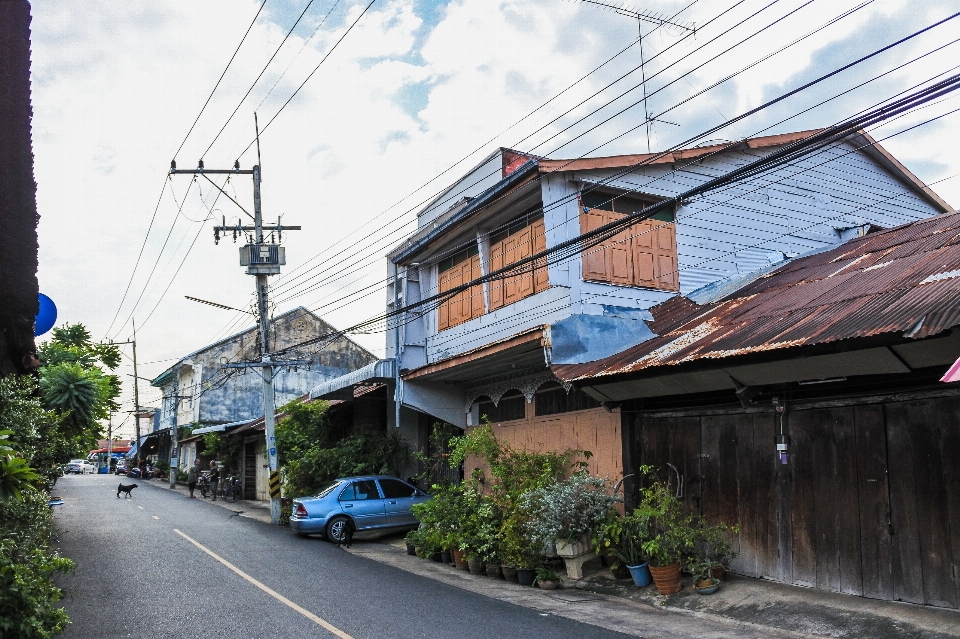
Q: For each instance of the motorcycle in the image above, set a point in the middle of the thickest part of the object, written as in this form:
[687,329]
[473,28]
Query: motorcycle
[140,473]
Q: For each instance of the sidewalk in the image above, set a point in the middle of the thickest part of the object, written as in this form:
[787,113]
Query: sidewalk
[743,607]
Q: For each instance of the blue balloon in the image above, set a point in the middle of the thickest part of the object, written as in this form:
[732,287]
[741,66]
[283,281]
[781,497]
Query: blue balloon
[47,316]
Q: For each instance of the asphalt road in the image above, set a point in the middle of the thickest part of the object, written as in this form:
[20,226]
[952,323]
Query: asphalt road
[137,576]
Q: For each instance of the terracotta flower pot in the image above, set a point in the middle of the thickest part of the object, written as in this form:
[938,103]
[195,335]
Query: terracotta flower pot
[493,571]
[719,572]
[548,585]
[667,578]
[459,561]
[509,573]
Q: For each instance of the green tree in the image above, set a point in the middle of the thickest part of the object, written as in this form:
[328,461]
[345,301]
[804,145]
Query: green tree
[35,433]
[74,381]
[224,449]
[311,453]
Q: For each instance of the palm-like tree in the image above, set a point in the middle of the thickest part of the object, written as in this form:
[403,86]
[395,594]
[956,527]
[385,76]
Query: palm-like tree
[75,391]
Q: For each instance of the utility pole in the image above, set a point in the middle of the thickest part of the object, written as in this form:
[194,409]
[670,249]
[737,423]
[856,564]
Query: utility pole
[136,393]
[136,388]
[109,443]
[262,259]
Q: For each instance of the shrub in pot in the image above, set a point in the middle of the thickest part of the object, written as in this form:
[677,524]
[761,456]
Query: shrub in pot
[670,535]
[713,546]
[568,512]
[623,539]
[699,565]
[441,516]
[547,579]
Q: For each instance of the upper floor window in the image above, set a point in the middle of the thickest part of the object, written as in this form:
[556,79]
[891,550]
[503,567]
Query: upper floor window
[454,271]
[644,254]
[519,239]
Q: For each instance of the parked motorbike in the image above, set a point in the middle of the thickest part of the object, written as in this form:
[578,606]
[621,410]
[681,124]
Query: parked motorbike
[139,473]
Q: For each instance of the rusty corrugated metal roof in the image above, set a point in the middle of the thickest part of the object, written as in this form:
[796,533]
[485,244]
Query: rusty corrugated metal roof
[618,161]
[905,279]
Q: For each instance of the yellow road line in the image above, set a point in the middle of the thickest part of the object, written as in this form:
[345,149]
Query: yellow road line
[273,593]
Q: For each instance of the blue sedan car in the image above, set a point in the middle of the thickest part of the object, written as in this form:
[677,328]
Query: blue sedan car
[369,503]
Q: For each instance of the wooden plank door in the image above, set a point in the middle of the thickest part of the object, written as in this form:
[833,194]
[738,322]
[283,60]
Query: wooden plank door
[250,470]
[874,507]
[719,474]
[674,440]
[923,445]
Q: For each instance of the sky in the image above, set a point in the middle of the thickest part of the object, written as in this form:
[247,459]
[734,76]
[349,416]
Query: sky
[412,97]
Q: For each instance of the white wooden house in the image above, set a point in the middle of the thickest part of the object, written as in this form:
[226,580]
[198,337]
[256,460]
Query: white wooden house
[488,350]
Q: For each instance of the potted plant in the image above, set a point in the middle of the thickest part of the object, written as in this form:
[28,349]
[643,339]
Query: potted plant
[699,565]
[670,535]
[413,539]
[517,551]
[567,512]
[624,538]
[442,514]
[547,579]
[716,547]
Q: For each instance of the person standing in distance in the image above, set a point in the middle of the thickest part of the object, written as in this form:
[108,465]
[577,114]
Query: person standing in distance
[214,477]
[192,476]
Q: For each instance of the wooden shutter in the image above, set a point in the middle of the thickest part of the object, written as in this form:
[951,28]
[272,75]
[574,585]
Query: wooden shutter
[511,249]
[667,271]
[645,254]
[497,286]
[448,311]
[618,253]
[594,264]
[474,303]
[540,279]
[466,304]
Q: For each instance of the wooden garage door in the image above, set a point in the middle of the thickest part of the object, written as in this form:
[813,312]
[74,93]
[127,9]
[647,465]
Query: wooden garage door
[869,503]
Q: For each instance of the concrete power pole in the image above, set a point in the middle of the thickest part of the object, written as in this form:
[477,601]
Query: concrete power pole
[262,259]
[136,393]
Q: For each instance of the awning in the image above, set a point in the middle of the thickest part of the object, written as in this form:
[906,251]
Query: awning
[342,387]
[219,428]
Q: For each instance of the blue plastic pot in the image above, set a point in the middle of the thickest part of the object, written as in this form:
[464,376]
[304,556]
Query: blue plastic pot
[640,574]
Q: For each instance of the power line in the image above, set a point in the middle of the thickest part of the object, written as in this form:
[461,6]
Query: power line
[220,79]
[288,282]
[572,246]
[326,277]
[682,169]
[290,99]
[160,197]
[260,75]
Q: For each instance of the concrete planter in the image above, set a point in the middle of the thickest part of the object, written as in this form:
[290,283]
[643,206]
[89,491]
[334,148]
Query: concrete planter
[575,548]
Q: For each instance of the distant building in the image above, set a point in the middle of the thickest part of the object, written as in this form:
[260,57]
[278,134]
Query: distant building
[199,392]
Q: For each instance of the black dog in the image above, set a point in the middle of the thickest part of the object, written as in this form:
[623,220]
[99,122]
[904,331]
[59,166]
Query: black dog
[348,528]
[125,489]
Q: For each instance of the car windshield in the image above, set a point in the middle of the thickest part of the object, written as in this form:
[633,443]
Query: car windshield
[326,490]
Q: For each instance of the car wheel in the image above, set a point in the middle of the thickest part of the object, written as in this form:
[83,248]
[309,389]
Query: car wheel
[337,529]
